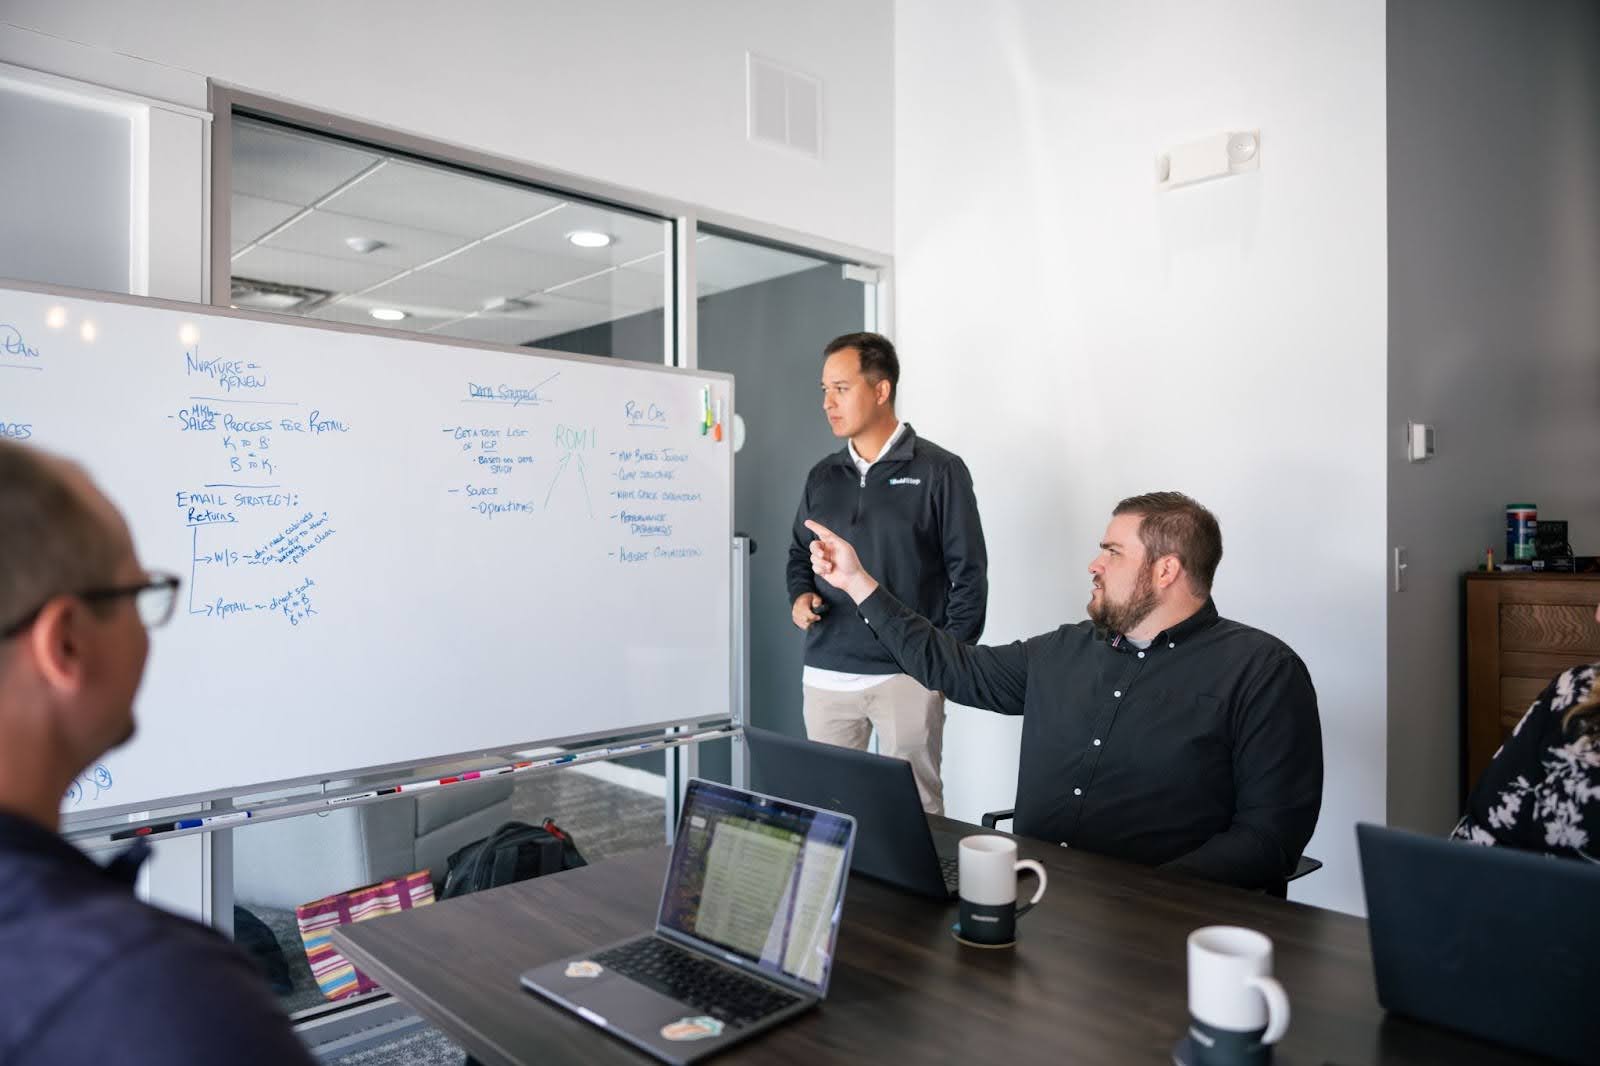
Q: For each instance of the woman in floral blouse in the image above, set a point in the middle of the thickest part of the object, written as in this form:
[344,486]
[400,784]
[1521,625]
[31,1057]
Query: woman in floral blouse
[1542,790]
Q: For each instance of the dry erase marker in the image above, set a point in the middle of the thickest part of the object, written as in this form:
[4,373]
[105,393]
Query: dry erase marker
[716,431]
[421,786]
[225,819]
[542,763]
[144,831]
[337,800]
[630,747]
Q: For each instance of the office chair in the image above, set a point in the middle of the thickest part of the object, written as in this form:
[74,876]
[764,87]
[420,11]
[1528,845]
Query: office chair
[1306,865]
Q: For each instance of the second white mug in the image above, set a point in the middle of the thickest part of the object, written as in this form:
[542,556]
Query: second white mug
[1237,1009]
[988,888]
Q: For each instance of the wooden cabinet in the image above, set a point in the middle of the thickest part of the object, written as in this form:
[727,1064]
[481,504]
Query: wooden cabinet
[1522,630]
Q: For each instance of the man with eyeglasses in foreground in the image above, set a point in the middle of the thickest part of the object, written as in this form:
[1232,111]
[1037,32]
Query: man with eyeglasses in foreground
[87,972]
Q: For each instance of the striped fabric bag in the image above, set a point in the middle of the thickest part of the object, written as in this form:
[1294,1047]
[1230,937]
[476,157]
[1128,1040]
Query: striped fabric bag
[317,920]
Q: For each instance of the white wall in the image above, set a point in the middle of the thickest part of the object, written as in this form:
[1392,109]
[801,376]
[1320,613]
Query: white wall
[1079,337]
[1494,330]
[163,163]
[644,94]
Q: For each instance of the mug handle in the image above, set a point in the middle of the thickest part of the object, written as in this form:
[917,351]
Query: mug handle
[1277,1007]
[1037,871]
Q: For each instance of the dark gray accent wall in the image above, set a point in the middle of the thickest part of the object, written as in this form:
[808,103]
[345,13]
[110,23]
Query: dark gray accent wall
[1494,329]
[770,336]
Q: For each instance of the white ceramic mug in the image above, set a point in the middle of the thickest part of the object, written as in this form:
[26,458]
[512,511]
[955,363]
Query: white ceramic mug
[1237,1010]
[988,889]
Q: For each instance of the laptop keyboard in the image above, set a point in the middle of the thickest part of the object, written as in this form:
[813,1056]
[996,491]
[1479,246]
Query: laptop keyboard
[712,988]
[951,868]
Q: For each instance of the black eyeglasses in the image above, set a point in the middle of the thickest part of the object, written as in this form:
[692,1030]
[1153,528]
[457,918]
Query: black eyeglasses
[154,599]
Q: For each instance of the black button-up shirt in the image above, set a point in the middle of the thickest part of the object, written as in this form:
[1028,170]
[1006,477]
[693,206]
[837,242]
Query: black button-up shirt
[89,974]
[1202,752]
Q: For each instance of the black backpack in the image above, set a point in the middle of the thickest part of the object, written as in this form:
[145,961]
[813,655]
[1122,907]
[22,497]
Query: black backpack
[514,852]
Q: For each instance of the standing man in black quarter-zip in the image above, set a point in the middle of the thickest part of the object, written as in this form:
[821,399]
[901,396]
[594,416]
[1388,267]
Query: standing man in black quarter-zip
[907,505]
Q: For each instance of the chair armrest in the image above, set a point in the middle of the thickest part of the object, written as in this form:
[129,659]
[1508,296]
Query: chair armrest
[990,818]
[1306,865]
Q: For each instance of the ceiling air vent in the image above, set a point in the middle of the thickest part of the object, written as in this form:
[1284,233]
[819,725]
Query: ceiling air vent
[275,296]
[785,106]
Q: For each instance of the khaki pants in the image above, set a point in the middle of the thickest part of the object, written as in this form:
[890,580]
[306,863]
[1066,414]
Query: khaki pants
[909,720]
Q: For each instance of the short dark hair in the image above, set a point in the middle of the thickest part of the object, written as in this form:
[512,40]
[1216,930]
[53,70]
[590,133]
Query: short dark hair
[51,541]
[1171,523]
[878,359]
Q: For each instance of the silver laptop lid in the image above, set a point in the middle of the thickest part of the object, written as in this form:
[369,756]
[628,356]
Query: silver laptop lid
[759,882]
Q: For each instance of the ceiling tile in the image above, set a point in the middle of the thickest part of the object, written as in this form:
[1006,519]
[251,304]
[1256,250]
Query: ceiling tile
[252,216]
[298,268]
[513,270]
[550,318]
[323,233]
[276,164]
[429,288]
[632,236]
[625,292]
[441,200]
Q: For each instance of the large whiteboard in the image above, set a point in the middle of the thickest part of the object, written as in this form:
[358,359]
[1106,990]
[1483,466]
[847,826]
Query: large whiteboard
[392,550]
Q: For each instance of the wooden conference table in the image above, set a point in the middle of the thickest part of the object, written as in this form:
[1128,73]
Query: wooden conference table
[1099,976]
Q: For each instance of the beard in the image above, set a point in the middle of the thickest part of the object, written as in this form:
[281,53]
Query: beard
[1126,615]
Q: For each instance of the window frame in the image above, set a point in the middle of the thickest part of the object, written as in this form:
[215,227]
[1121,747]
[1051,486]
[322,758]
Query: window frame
[680,343]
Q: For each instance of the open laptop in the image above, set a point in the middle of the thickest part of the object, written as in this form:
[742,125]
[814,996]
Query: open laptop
[744,938]
[894,842]
[1494,942]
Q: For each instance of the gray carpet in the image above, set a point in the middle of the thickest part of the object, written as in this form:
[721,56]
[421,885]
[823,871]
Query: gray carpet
[426,1047]
[605,819]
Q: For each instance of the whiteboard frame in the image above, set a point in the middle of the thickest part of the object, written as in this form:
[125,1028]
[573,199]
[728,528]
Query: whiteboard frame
[77,820]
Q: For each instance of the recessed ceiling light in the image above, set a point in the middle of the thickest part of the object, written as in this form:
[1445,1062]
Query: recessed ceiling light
[387,314]
[363,244]
[588,238]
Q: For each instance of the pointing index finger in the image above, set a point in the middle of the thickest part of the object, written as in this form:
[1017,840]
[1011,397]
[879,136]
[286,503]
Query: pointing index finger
[820,530]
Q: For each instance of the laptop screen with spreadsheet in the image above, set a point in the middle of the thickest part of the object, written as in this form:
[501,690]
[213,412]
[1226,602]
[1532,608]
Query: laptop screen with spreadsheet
[759,878]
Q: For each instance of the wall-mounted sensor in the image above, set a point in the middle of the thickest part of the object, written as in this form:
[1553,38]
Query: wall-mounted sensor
[1217,156]
[1242,148]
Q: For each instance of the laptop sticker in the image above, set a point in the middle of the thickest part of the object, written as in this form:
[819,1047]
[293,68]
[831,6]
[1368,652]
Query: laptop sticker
[700,1028]
[584,969]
